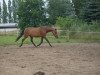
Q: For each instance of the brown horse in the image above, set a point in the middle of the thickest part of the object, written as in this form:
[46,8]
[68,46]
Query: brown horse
[37,32]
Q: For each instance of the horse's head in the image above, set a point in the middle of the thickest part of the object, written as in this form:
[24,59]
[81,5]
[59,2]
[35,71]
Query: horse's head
[55,33]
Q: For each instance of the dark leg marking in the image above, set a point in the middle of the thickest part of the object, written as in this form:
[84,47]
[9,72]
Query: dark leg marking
[31,39]
[40,42]
[48,41]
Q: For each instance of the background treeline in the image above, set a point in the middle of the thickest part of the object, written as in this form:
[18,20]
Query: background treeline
[8,12]
[75,15]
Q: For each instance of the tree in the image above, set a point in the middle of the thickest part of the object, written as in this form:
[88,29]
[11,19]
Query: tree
[0,13]
[59,8]
[5,14]
[14,10]
[30,13]
[91,11]
[9,11]
[80,4]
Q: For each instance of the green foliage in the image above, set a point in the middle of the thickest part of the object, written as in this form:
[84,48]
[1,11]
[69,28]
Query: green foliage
[0,13]
[9,11]
[73,28]
[87,10]
[95,25]
[14,10]
[59,8]
[31,13]
[78,5]
[64,23]
[5,14]
[74,24]
[90,11]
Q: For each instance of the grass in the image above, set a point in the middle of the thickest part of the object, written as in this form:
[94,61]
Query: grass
[7,40]
[10,40]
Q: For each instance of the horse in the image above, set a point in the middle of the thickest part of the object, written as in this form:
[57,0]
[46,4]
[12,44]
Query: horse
[37,32]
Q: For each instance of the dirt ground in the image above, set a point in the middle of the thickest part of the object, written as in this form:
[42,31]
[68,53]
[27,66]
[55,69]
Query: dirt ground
[61,59]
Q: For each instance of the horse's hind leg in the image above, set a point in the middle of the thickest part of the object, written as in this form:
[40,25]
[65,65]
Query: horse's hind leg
[22,41]
[31,38]
[40,42]
[48,41]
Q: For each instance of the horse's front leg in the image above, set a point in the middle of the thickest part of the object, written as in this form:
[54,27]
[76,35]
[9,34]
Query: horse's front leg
[48,41]
[31,39]
[40,42]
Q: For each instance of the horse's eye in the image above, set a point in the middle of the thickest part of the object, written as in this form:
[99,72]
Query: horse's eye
[55,29]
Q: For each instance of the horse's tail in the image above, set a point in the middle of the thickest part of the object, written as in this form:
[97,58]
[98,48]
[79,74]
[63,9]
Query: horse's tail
[20,35]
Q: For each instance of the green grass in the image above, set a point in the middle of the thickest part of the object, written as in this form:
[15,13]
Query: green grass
[6,40]
[10,40]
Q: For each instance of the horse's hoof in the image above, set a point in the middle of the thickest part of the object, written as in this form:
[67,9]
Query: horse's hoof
[50,46]
[35,46]
[38,45]
[20,46]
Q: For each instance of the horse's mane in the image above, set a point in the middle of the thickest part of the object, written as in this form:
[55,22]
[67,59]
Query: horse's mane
[46,27]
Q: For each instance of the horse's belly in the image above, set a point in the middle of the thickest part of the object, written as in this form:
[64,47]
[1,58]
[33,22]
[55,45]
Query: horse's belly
[35,35]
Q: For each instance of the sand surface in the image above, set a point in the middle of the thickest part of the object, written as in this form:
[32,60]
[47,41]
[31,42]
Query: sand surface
[61,59]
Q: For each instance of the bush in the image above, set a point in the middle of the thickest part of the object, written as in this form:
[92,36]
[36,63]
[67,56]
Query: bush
[73,28]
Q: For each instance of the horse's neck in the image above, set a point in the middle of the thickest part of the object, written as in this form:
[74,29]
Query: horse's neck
[49,30]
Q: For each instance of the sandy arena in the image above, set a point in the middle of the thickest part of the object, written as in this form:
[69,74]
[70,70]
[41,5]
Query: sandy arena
[61,59]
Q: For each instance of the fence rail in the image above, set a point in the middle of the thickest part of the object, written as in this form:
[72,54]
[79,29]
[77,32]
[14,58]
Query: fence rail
[7,27]
[78,31]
